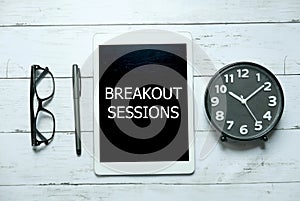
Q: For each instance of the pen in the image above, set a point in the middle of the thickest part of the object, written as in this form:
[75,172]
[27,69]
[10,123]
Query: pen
[76,78]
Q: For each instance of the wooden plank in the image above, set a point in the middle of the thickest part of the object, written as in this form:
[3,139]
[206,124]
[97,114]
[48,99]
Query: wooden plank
[272,45]
[233,162]
[14,106]
[271,192]
[134,11]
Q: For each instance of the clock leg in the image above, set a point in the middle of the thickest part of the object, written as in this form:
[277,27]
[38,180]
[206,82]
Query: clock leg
[265,138]
[223,138]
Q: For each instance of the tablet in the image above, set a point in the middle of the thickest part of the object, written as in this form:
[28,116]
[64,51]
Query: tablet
[143,103]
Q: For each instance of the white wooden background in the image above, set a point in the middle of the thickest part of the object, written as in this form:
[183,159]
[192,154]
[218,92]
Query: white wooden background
[59,33]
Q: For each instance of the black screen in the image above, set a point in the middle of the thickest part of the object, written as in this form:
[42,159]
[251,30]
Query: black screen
[143,103]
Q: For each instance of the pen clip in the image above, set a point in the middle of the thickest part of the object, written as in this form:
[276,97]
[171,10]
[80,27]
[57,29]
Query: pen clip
[76,79]
[79,82]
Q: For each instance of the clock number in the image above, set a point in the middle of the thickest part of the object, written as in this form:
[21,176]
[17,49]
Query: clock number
[272,101]
[267,86]
[258,77]
[228,78]
[221,88]
[267,115]
[219,115]
[230,124]
[243,130]
[214,101]
[243,73]
[258,125]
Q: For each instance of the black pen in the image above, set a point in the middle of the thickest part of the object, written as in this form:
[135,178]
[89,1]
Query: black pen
[76,77]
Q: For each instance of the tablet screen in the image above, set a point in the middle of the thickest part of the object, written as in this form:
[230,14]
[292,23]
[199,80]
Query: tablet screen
[143,103]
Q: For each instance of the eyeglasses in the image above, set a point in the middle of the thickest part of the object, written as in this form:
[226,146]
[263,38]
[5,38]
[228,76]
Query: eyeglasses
[42,89]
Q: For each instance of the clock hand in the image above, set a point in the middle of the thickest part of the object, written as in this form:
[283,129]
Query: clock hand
[244,102]
[235,96]
[250,112]
[255,92]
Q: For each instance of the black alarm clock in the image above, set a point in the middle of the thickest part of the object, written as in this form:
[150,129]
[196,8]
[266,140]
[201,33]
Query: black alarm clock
[244,101]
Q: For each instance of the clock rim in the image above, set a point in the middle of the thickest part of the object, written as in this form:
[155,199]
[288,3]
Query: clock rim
[271,126]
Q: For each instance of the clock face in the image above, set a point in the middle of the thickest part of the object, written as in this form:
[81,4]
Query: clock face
[244,101]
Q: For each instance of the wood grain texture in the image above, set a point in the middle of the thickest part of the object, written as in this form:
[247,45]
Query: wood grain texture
[268,192]
[22,12]
[235,162]
[275,46]
[59,33]
[14,106]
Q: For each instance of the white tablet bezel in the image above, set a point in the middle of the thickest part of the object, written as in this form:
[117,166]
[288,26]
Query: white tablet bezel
[143,168]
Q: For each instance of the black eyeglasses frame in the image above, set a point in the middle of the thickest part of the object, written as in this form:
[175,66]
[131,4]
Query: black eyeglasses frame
[34,80]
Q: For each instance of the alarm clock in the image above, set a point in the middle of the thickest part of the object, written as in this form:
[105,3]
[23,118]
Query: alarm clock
[244,101]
